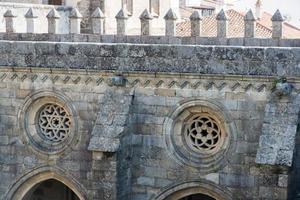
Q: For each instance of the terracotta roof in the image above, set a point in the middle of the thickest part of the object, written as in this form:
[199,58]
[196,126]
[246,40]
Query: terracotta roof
[236,26]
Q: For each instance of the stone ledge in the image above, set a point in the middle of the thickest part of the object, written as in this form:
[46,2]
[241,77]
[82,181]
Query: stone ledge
[222,60]
[138,39]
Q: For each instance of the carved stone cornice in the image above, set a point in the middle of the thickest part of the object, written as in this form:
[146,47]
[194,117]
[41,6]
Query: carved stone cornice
[142,80]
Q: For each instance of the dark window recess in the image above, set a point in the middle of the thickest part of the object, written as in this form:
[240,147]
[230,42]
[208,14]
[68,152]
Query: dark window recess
[198,197]
[55,2]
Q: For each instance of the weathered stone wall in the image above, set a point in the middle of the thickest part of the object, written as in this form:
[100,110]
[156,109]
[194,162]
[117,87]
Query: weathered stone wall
[18,159]
[158,80]
[267,61]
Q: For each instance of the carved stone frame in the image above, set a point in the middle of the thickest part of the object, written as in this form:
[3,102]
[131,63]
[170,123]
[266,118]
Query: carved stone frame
[184,189]
[205,163]
[28,122]
[24,183]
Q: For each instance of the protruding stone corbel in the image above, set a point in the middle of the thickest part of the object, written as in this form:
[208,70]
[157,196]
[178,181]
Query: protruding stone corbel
[222,24]
[277,22]
[30,20]
[122,18]
[98,21]
[170,19]
[75,19]
[9,21]
[53,17]
[146,22]
[117,80]
[196,23]
[282,87]
[250,25]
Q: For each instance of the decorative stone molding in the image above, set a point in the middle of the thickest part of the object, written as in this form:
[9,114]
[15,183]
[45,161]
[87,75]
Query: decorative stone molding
[213,130]
[24,183]
[49,121]
[187,82]
[54,123]
[203,133]
[184,189]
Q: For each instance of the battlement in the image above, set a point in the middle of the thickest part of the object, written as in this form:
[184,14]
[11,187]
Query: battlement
[64,25]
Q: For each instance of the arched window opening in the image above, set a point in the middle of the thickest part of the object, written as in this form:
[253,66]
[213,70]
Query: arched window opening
[55,2]
[197,197]
[50,189]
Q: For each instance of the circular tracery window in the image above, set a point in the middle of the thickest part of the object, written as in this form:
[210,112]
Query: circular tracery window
[54,123]
[202,133]
[199,134]
[50,121]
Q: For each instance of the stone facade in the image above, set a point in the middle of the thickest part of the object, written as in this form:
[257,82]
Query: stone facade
[105,117]
[124,98]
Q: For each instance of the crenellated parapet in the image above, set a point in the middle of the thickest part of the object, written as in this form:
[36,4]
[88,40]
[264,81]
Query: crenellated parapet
[72,19]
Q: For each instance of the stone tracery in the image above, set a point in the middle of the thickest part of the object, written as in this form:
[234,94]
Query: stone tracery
[202,133]
[54,123]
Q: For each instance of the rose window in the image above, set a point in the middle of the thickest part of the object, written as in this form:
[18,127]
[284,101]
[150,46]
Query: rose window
[202,133]
[54,123]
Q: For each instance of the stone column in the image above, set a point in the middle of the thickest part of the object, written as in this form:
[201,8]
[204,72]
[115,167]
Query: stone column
[9,21]
[122,18]
[30,20]
[53,18]
[170,19]
[98,21]
[250,25]
[196,23]
[75,19]
[222,24]
[146,23]
[277,22]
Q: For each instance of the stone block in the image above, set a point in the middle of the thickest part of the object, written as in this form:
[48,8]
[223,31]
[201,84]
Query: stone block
[284,157]
[214,177]
[155,172]
[234,180]
[146,181]
[267,180]
[283,180]
[104,144]
[162,182]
